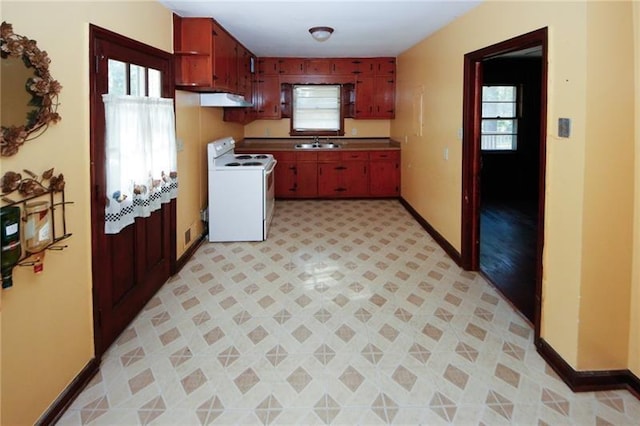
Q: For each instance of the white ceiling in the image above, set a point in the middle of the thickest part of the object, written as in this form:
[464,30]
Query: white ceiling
[363,28]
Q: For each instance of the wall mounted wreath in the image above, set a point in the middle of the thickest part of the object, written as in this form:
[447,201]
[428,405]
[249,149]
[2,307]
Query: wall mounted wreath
[43,89]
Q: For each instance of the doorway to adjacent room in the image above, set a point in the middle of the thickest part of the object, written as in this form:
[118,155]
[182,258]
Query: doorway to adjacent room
[504,167]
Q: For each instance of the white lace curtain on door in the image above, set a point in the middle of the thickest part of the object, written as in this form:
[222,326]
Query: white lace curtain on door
[140,156]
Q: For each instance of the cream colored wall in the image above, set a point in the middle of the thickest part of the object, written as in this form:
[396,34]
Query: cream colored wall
[607,241]
[47,330]
[433,70]
[190,170]
[195,127]
[634,332]
[352,128]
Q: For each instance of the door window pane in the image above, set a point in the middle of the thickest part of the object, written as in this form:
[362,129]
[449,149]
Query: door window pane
[155,83]
[117,77]
[137,80]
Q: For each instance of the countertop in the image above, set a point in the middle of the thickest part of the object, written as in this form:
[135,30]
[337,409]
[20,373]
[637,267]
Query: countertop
[288,144]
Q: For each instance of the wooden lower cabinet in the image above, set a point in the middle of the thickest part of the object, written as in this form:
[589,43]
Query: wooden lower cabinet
[343,174]
[384,173]
[296,174]
[335,174]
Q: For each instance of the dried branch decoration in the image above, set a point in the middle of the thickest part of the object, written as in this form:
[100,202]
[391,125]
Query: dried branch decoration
[43,89]
[31,185]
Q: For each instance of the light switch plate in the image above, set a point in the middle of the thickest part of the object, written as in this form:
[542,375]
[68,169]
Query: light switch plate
[564,127]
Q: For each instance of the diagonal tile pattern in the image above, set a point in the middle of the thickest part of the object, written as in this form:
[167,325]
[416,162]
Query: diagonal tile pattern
[348,314]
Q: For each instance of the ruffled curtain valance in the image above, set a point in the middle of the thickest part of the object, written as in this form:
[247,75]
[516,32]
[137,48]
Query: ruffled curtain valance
[141,158]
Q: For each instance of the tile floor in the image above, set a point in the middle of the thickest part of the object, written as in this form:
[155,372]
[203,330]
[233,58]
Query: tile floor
[348,314]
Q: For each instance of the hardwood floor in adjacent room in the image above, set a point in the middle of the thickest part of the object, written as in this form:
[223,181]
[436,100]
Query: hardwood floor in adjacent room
[508,233]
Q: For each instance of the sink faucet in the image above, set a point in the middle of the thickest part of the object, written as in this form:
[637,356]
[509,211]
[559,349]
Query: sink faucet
[316,138]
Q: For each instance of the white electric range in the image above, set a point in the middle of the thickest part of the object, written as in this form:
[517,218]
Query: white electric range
[241,193]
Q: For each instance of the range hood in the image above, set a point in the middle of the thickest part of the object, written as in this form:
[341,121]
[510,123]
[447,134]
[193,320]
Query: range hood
[223,100]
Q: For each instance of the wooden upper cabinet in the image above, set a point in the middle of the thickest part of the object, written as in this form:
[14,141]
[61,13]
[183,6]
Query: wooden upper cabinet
[385,66]
[207,57]
[364,66]
[193,50]
[292,66]
[375,66]
[318,66]
[269,66]
[245,59]
[267,99]
[343,66]
[375,97]
[225,60]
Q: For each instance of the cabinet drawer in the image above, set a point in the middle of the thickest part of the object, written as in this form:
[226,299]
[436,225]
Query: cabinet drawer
[354,155]
[328,156]
[384,155]
[284,156]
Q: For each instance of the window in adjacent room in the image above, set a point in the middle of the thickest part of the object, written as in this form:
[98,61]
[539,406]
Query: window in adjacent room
[316,110]
[499,118]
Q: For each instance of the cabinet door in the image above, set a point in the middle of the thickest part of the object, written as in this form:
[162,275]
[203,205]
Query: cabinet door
[268,88]
[384,179]
[330,178]
[244,73]
[343,66]
[285,179]
[364,96]
[384,173]
[365,66]
[355,179]
[291,66]
[268,66]
[385,66]
[306,179]
[318,66]
[224,60]
[384,99]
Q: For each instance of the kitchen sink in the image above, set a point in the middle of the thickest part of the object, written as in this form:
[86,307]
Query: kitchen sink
[329,145]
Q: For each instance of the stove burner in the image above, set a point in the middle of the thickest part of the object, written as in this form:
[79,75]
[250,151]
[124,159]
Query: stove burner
[261,156]
[233,164]
[243,157]
[252,163]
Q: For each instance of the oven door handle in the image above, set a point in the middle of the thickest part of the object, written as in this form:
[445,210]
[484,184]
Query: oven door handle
[273,166]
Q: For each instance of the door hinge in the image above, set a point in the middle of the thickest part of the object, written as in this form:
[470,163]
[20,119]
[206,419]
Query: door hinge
[97,58]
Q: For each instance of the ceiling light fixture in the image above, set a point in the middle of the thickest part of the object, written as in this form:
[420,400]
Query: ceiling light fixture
[321,33]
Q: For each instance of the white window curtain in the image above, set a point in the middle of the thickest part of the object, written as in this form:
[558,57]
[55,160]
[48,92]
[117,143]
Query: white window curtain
[141,158]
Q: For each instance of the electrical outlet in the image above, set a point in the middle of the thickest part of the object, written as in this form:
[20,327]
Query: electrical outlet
[179,145]
[445,154]
[354,131]
[267,132]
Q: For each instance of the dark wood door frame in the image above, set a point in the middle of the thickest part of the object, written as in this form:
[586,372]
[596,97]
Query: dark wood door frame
[472,103]
[101,271]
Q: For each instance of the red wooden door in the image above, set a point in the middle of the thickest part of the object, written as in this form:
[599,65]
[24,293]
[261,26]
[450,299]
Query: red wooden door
[128,267]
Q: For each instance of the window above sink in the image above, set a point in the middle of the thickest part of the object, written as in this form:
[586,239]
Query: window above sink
[316,110]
